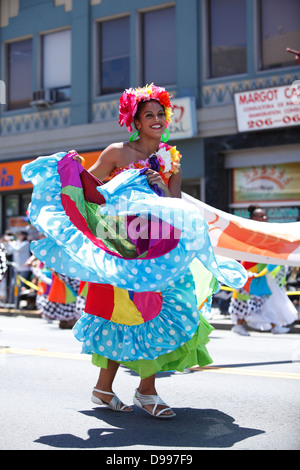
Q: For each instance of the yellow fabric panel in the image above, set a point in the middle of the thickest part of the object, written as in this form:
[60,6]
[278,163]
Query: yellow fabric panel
[125,311]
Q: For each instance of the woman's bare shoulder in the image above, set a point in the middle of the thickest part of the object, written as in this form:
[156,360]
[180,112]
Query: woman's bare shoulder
[119,152]
[111,157]
[115,150]
[116,147]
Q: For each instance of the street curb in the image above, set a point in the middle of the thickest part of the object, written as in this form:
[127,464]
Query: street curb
[11,312]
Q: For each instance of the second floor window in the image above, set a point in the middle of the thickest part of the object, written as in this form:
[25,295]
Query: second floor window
[114,40]
[159,40]
[19,56]
[57,63]
[280,28]
[228,37]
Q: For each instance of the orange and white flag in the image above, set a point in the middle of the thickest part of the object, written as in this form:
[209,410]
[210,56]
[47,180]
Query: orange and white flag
[250,240]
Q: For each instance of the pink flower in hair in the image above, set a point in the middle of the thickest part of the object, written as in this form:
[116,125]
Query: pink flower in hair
[128,106]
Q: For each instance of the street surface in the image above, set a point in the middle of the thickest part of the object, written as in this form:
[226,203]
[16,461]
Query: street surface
[248,400]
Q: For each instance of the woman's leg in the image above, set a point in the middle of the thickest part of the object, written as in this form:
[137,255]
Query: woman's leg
[147,387]
[105,381]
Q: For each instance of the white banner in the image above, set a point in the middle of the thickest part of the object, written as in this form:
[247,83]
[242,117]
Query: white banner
[249,240]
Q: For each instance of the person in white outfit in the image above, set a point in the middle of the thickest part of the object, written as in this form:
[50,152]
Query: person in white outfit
[20,250]
[262,303]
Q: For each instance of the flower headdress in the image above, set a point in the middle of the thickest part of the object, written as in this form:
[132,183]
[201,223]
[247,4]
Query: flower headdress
[130,99]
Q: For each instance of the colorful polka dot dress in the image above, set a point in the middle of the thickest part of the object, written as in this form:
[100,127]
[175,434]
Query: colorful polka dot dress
[147,259]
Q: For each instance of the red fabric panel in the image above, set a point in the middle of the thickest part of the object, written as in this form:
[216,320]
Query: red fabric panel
[100,300]
[89,185]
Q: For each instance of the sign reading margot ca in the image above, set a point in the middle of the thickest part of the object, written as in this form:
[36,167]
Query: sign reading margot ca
[268,108]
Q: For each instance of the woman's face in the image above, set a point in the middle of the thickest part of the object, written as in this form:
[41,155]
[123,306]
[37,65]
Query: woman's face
[152,120]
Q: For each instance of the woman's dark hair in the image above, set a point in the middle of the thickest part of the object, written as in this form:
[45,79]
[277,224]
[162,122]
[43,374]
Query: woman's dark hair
[253,208]
[24,234]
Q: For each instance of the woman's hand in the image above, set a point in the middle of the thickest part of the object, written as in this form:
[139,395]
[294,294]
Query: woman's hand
[77,157]
[153,177]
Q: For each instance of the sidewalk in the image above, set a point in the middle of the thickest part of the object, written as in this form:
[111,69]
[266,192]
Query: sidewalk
[218,320]
[223,322]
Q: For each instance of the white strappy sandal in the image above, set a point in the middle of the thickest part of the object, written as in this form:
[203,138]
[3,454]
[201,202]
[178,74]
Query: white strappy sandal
[142,400]
[115,403]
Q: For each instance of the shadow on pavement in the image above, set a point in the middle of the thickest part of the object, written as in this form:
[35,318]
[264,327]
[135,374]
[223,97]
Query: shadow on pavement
[191,428]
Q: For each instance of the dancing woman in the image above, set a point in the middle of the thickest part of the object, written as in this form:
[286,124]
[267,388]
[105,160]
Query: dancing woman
[146,293]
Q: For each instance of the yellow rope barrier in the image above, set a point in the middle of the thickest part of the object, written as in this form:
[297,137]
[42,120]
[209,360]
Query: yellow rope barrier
[33,286]
[289,292]
[28,283]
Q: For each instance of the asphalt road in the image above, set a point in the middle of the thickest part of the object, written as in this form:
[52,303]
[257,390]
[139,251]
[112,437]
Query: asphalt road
[248,400]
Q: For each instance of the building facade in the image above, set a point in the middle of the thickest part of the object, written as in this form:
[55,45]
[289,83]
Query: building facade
[65,63]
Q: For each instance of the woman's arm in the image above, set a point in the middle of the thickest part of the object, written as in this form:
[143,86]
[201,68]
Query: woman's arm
[175,184]
[105,164]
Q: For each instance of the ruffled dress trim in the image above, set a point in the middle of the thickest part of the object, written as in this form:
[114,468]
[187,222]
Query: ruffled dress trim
[189,354]
[122,234]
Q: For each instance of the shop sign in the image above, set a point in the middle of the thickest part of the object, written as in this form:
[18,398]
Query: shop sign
[184,122]
[10,176]
[278,182]
[15,224]
[274,214]
[268,108]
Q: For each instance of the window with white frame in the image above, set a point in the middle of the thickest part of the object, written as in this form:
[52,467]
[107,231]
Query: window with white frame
[56,68]
[279,29]
[159,47]
[114,49]
[227,37]
[19,74]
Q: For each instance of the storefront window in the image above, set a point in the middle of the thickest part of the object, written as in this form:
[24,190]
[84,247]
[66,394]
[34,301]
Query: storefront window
[11,205]
[228,37]
[280,28]
[192,187]
[25,201]
[14,209]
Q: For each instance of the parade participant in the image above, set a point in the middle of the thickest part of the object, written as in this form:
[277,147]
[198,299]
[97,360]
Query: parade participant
[20,250]
[61,301]
[262,303]
[3,271]
[56,296]
[146,253]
